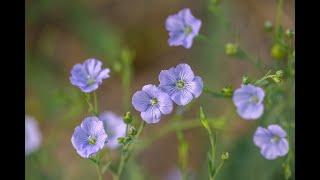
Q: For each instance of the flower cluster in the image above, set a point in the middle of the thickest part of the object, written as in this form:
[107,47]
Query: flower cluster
[94,133]
[177,84]
[249,102]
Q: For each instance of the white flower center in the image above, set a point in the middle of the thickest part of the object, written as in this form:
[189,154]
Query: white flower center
[180,84]
[187,30]
[92,140]
[154,101]
[275,139]
[254,99]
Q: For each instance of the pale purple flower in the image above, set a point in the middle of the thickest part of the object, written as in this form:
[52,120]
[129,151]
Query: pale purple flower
[152,102]
[173,174]
[271,141]
[181,84]
[33,136]
[249,101]
[114,127]
[182,27]
[88,75]
[89,138]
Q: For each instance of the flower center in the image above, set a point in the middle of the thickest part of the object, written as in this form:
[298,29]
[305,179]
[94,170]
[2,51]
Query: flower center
[180,84]
[275,139]
[90,80]
[154,101]
[92,140]
[187,30]
[254,99]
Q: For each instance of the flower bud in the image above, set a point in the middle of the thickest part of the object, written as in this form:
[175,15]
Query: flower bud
[128,118]
[224,156]
[132,131]
[268,26]
[289,33]
[245,80]
[231,49]
[227,91]
[278,52]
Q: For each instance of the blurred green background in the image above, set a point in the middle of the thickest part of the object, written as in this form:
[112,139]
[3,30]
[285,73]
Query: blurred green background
[62,33]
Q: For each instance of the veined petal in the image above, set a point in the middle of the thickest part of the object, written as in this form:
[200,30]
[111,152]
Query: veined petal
[141,101]
[151,115]
[196,86]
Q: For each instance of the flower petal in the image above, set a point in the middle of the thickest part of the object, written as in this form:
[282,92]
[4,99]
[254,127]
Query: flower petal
[182,97]
[103,74]
[184,72]
[277,130]
[270,151]
[141,101]
[196,86]
[282,147]
[250,111]
[165,103]
[151,115]
[261,137]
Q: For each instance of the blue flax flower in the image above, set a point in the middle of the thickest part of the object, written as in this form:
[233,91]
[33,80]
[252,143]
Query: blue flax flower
[182,27]
[249,101]
[181,84]
[152,102]
[88,75]
[114,127]
[89,138]
[32,135]
[271,141]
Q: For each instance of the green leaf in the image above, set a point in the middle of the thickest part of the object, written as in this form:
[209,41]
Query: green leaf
[204,120]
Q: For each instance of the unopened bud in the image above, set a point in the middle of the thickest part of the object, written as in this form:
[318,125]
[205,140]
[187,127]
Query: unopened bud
[132,131]
[231,49]
[278,52]
[224,156]
[128,118]
[268,26]
[289,33]
[245,80]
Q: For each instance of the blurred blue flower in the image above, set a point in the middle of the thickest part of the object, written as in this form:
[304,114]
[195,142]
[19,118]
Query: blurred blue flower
[88,75]
[33,136]
[271,141]
[174,174]
[89,137]
[249,101]
[181,84]
[114,127]
[152,102]
[182,27]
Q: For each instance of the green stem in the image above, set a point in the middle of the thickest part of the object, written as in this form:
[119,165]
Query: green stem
[278,15]
[218,169]
[90,106]
[99,172]
[172,127]
[125,156]
[95,103]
